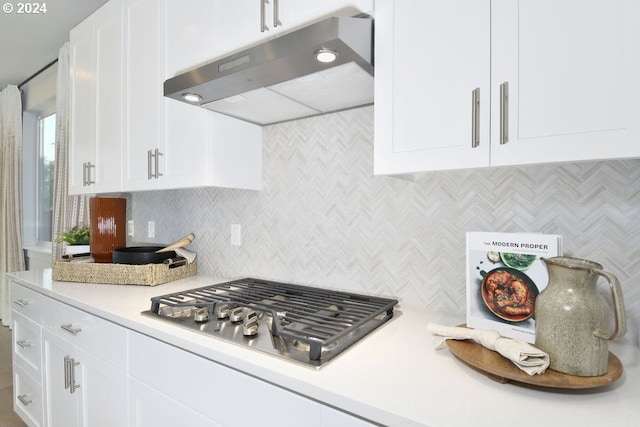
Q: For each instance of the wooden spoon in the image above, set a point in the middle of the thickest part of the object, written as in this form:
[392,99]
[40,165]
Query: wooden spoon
[178,244]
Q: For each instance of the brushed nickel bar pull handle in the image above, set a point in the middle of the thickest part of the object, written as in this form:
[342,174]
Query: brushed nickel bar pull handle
[23,343]
[276,13]
[475,117]
[72,376]
[21,302]
[69,328]
[24,400]
[89,180]
[263,18]
[149,156]
[67,377]
[157,156]
[504,113]
[84,174]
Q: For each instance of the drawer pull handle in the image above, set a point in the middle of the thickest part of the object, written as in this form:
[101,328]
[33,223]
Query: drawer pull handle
[67,373]
[71,362]
[23,343]
[21,302]
[475,117]
[149,156]
[276,14]
[69,328]
[504,113]
[263,13]
[24,400]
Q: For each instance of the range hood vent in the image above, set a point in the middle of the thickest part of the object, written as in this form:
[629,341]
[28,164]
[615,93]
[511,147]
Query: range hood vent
[282,79]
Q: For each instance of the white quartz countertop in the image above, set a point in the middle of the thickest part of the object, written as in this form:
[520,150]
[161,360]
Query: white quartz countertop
[393,376]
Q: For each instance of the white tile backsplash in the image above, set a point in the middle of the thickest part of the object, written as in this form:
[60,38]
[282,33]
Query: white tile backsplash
[324,219]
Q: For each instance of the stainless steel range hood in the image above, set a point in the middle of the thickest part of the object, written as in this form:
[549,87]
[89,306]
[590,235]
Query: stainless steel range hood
[281,79]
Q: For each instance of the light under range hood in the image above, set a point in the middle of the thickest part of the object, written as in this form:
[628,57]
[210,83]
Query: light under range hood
[282,79]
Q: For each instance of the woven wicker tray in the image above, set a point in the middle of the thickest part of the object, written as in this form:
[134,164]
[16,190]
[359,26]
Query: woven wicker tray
[120,274]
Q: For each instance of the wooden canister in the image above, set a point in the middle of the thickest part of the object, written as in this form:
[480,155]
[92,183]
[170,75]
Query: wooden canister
[108,225]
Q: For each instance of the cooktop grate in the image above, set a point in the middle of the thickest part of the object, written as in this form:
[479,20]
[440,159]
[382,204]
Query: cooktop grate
[314,318]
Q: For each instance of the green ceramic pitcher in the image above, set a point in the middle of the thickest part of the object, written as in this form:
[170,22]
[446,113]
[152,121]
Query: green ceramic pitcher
[574,321]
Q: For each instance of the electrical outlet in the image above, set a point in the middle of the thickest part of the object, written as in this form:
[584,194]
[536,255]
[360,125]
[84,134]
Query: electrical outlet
[130,228]
[151,229]
[236,235]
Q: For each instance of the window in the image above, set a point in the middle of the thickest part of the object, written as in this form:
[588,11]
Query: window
[46,174]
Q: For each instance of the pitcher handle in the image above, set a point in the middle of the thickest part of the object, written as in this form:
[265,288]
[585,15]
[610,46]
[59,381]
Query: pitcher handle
[620,326]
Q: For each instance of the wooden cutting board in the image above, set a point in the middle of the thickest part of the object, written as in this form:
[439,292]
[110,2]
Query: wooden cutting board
[501,369]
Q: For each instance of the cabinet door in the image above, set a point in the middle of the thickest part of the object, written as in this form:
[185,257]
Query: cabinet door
[242,23]
[150,408]
[107,31]
[239,23]
[432,85]
[215,391]
[61,407]
[26,337]
[187,149]
[299,12]
[82,106]
[144,58]
[102,395]
[99,397]
[572,71]
[27,398]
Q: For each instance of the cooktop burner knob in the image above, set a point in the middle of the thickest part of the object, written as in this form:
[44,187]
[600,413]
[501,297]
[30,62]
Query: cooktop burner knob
[222,311]
[201,315]
[235,314]
[250,325]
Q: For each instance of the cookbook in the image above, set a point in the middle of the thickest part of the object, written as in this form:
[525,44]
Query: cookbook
[505,274]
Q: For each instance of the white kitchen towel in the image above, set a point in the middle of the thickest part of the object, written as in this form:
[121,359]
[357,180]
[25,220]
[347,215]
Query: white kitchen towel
[525,356]
[190,256]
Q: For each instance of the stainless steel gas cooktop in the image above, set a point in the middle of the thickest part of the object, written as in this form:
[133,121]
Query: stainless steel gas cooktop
[304,324]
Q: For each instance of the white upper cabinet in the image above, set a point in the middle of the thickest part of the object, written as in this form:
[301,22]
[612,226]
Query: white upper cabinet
[241,23]
[552,87]
[125,135]
[170,144]
[143,58]
[432,65]
[82,107]
[96,97]
[572,69]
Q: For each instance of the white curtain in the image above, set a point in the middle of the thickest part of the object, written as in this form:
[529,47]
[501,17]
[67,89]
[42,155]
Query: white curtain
[11,254]
[68,211]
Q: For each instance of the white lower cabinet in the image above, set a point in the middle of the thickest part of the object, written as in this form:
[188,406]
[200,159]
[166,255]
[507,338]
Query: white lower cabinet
[226,397]
[80,389]
[27,397]
[69,365]
[150,408]
[26,345]
[72,368]
[61,400]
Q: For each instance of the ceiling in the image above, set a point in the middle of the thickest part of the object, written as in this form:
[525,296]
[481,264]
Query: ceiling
[31,41]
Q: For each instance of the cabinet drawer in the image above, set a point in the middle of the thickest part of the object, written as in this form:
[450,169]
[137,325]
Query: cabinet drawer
[27,347]
[27,302]
[92,334]
[219,393]
[27,398]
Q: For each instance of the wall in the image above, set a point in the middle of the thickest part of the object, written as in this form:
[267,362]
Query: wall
[324,219]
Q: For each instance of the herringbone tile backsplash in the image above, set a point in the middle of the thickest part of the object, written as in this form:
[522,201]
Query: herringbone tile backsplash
[324,219]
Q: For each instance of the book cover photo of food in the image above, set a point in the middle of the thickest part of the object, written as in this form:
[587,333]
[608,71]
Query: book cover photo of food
[504,276]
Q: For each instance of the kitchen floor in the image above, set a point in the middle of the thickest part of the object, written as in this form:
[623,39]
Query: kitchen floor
[8,418]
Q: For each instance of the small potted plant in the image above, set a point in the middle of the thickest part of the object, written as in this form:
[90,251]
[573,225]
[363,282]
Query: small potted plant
[77,240]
